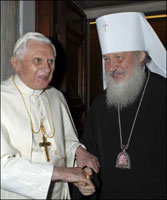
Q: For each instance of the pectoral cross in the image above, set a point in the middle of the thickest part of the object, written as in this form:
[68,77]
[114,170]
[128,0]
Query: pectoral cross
[45,144]
[104,26]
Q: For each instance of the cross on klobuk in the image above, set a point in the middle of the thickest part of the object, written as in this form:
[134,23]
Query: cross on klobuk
[104,26]
[45,144]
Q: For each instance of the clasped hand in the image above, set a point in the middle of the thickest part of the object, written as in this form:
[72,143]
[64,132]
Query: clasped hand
[79,176]
[76,175]
[89,162]
[84,158]
[86,188]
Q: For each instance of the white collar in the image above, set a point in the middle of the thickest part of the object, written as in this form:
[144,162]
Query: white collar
[24,88]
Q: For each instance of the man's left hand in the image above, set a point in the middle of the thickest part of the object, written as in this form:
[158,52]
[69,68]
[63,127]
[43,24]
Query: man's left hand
[84,158]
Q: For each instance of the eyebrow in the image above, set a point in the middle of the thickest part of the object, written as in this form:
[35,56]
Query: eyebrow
[38,56]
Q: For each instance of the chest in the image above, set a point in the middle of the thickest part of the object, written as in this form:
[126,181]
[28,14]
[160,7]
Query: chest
[22,121]
[147,141]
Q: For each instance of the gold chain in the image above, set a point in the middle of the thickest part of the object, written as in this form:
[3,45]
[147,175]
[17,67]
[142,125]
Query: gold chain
[42,128]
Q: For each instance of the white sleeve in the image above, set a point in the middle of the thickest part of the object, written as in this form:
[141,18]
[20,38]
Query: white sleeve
[22,176]
[71,136]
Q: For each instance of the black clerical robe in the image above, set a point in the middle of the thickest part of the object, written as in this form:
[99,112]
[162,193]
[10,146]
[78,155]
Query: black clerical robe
[147,148]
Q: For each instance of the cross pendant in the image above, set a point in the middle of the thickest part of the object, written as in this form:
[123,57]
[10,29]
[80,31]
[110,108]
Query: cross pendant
[45,144]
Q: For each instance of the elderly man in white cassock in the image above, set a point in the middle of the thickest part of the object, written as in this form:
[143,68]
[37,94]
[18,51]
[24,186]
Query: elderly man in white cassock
[126,125]
[40,151]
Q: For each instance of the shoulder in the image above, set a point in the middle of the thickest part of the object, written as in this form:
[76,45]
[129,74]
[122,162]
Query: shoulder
[7,87]
[158,78]
[6,82]
[157,83]
[156,91]
[99,103]
[55,94]
[99,99]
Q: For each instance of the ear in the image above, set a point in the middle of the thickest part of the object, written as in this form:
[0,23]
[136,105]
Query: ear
[142,57]
[15,64]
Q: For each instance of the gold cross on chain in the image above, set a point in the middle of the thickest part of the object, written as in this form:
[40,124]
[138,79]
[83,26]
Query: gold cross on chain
[45,144]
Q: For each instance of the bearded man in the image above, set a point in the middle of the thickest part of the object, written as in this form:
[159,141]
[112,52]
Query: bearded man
[126,124]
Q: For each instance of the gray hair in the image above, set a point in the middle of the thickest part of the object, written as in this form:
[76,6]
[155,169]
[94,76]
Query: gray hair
[147,58]
[21,44]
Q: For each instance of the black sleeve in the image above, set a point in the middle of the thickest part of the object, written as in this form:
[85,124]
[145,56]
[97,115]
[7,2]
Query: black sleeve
[90,140]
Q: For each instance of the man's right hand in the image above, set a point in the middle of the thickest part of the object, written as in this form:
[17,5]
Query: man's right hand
[73,175]
[86,189]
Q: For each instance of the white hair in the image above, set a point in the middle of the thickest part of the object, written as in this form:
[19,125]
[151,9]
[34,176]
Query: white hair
[21,44]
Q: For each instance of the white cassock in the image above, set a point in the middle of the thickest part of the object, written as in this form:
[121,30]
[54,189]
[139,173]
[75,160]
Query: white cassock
[25,173]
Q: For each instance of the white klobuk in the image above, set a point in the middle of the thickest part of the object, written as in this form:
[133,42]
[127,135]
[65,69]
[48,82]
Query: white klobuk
[130,31]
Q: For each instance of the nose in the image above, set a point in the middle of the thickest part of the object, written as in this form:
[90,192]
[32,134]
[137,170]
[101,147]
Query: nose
[113,65]
[47,67]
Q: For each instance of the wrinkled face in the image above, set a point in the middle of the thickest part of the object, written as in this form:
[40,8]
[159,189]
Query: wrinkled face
[121,65]
[37,65]
[125,77]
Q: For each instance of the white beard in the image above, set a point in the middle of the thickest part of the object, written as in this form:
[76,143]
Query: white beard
[125,93]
